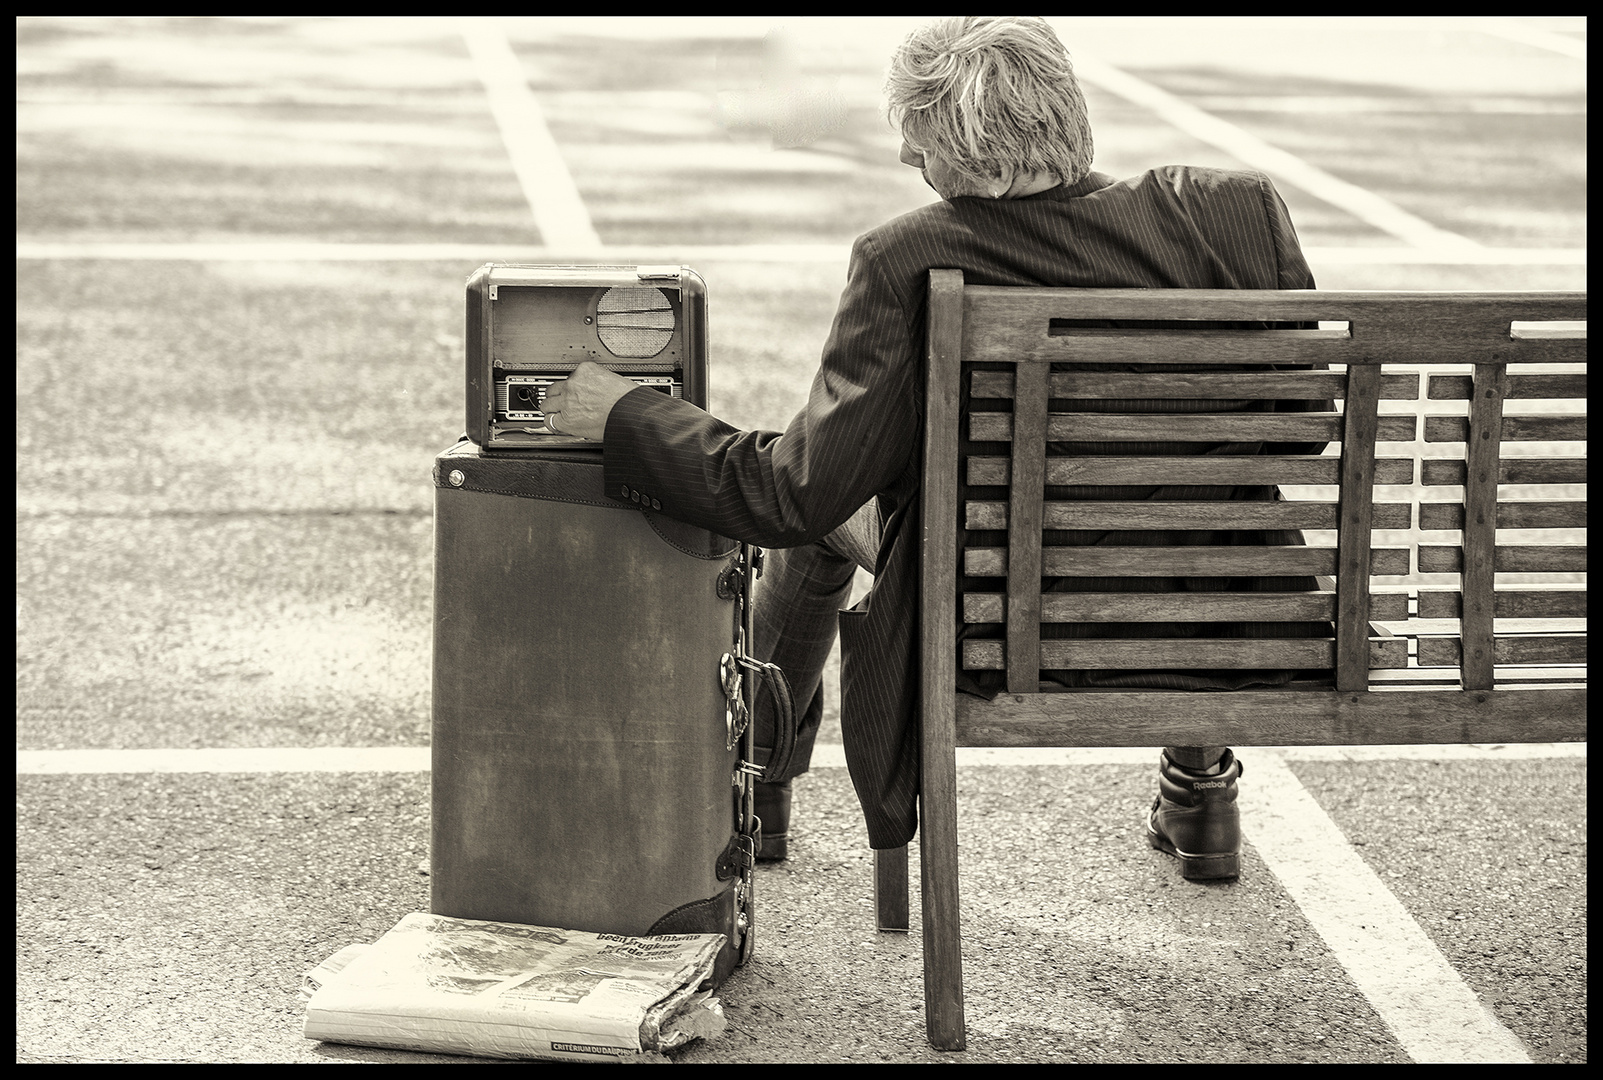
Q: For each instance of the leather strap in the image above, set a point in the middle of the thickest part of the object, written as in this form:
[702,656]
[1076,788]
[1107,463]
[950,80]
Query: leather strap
[778,686]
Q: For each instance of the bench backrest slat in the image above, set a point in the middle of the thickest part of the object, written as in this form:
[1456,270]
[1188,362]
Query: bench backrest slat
[1025,512]
[987,471]
[1229,562]
[1090,607]
[1506,558]
[1448,473]
[1014,324]
[982,514]
[1355,531]
[1520,387]
[1299,385]
[1209,427]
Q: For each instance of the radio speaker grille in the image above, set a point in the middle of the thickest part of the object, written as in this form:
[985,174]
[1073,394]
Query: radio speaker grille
[634,322]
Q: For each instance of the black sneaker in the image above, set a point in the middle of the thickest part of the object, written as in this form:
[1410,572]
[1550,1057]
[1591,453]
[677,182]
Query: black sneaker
[773,810]
[1195,819]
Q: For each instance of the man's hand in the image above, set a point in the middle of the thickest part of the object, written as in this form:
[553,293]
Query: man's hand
[580,403]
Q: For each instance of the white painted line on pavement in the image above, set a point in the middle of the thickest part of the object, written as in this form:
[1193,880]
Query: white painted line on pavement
[1425,1002]
[558,210]
[274,759]
[1513,30]
[833,755]
[1363,204]
[270,251]
[825,756]
[688,254]
[1477,256]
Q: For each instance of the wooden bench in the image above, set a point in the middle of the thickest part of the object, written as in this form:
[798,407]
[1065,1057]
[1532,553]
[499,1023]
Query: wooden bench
[1427,645]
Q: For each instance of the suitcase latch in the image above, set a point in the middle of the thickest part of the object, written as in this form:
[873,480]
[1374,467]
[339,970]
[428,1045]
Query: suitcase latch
[736,715]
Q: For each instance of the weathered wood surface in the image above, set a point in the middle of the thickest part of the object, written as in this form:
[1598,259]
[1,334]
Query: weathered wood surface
[1138,654]
[1358,515]
[1506,604]
[1515,429]
[1520,387]
[1197,385]
[1273,718]
[943,959]
[1446,472]
[1128,607]
[1025,509]
[891,895]
[1509,514]
[1211,470]
[1507,649]
[1420,328]
[985,514]
[1193,427]
[1506,558]
[1197,561]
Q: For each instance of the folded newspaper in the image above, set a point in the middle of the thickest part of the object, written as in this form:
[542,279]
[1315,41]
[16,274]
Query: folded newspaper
[492,989]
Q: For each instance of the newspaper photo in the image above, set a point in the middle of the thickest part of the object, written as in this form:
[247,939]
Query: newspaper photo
[491,989]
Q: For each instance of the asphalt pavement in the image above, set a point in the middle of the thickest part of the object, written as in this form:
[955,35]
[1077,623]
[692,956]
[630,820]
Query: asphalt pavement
[171,917]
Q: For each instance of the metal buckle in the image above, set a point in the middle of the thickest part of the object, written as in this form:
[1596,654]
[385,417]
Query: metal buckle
[736,715]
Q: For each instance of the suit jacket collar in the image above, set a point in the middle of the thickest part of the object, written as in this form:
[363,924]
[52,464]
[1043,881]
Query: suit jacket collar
[1088,184]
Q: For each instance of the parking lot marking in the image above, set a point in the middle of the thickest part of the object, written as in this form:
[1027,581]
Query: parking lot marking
[274,251]
[559,212]
[273,759]
[1363,204]
[1354,104]
[825,756]
[1513,30]
[1417,993]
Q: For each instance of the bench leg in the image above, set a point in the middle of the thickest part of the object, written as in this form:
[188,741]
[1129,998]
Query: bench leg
[943,937]
[890,889]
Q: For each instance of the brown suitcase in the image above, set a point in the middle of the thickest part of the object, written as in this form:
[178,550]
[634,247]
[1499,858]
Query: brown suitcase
[586,773]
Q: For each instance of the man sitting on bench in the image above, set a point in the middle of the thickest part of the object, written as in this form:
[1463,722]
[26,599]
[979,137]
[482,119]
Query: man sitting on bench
[992,116]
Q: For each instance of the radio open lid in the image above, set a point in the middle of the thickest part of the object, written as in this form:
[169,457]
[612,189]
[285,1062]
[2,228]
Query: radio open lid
[659,273]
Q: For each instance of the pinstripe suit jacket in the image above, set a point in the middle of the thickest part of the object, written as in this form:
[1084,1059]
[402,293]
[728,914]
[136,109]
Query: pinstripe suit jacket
[858,437]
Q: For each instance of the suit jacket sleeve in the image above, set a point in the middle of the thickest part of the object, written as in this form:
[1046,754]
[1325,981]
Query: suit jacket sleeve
[855,436]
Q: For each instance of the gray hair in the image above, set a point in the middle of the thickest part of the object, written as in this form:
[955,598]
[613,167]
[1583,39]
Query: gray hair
[989,93]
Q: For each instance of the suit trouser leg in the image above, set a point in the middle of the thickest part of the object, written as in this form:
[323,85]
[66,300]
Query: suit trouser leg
[796,615]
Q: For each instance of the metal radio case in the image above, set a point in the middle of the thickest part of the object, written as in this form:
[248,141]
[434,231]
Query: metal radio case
[529,326]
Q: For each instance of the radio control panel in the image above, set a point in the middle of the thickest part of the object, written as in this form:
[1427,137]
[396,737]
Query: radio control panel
[528,327]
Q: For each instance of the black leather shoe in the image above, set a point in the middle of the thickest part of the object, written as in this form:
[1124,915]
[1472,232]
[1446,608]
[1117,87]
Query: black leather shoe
[1195,819]
[773,809]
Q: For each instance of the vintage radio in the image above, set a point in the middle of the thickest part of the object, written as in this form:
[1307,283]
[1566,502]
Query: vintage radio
[529,326]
